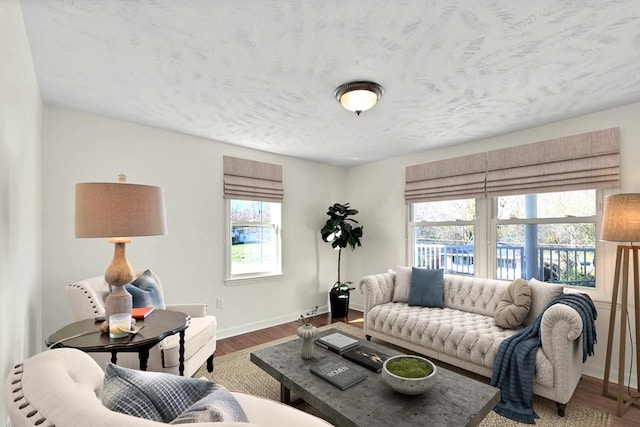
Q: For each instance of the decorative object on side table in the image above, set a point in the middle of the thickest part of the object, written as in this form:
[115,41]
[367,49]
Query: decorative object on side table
[308,333]
[119,211]
[339,231]
[408,374]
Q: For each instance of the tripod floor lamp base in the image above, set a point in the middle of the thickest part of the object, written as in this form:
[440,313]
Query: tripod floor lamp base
[623,257]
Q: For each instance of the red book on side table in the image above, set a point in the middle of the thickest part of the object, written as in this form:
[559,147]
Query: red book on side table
[141,312]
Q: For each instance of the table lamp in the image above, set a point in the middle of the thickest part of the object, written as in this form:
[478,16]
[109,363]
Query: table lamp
[621,223]
[119,211]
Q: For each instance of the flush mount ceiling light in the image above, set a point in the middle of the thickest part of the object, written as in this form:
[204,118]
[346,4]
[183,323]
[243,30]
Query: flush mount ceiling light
[358,96]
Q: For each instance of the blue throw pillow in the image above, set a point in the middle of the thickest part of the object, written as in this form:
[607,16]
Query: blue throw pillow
[427,288]
[151,395]
[146,292]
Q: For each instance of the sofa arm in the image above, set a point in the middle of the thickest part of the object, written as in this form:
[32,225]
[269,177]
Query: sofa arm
[561,334]
[561,325]
[193,310]
[269,413]
[377,289]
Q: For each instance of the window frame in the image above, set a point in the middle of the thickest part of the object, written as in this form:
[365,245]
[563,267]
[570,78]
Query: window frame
[253,277]
[485,239]
[458,223]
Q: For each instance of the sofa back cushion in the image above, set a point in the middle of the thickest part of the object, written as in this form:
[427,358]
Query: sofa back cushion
[473,294]
[402,284]
[542,293]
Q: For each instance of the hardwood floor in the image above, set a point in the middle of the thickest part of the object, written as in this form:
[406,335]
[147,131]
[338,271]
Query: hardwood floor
[588,391]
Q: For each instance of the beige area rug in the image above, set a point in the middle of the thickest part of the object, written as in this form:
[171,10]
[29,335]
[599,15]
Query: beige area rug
[237,373]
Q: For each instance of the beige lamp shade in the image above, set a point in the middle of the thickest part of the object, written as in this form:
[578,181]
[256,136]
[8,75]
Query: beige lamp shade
[621,218]
[119,210]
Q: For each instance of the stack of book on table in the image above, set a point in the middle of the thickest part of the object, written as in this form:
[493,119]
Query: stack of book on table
[337,342]
[141,313]
[339,373]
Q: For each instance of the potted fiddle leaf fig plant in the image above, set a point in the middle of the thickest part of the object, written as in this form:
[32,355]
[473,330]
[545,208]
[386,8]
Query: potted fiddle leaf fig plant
[341,231]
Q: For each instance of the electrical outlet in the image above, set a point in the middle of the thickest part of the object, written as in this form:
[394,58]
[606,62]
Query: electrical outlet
[219,302]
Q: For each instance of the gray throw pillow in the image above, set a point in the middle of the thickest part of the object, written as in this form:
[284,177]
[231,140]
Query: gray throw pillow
[151,395]
[145,292]
[542,293]
[514,305]
[427,288]
[217,406]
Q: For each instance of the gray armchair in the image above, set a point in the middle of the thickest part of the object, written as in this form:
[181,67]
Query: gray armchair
[87,301]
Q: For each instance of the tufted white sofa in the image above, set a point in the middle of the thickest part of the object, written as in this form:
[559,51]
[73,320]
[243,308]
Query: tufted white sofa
[62,388]
[464,333]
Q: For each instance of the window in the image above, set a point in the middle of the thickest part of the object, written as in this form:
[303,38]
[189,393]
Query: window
[444,234]
[549,236]
[254,238]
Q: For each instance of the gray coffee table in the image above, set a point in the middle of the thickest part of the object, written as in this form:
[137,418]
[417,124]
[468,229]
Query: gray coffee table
[455,401]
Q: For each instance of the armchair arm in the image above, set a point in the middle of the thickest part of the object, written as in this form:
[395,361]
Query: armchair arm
[86,297]
[377,289]
[193,310]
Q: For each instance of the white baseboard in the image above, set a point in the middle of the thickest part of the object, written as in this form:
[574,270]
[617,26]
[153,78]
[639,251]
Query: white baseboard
[268,323]
[356,307]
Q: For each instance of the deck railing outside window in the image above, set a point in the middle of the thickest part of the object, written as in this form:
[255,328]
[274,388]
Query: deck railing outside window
[560,264]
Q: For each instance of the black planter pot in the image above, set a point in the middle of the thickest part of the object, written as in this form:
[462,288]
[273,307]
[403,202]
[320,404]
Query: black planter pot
[339,303]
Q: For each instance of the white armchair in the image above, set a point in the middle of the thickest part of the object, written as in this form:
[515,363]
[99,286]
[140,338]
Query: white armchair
[87,301]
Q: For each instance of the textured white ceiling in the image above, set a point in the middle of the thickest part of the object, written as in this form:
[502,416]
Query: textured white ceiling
[262,73]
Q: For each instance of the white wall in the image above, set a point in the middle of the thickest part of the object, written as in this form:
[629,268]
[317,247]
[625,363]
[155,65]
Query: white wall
[20,249]
[377,190]
[81,147]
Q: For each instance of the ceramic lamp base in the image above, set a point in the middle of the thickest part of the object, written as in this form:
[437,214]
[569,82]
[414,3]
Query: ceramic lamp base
[118,301]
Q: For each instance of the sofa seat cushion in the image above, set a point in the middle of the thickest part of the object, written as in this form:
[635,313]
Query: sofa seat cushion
[471,337]
[199,332]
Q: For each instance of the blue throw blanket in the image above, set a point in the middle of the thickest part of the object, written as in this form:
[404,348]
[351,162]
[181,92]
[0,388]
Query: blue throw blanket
[514,368]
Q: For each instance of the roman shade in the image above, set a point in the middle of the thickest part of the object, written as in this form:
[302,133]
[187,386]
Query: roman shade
[457,178]
[586,161]
[251,180]
[577,162]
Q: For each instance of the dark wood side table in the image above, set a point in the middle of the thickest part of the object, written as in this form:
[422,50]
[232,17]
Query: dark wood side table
[159,325]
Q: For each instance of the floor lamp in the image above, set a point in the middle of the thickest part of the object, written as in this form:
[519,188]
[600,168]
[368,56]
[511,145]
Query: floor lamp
[621,223]
[119,211]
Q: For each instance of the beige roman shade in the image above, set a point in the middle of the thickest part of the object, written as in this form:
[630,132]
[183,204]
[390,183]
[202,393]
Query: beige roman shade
[584,161]
[457,178]
[251,180]
[577,162]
